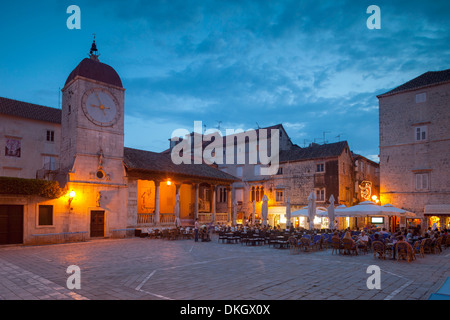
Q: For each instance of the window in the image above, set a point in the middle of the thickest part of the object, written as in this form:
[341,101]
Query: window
[421,97]
[239,196]
[239,171]
[320,167]
[13,148]
[280,195]
[280,171]
[257,193]
[49,163]
[320,195]
[422,181]
[50,135]
[421,133]
[222,194]
[45,216]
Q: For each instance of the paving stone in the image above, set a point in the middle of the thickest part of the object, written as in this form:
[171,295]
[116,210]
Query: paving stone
[135,269]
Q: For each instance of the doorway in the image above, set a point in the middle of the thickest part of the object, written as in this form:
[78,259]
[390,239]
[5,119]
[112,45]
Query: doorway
[11,224]
[97,224]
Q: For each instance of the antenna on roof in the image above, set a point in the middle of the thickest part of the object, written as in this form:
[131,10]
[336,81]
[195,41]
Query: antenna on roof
[304,142]
[258,125]
[218,126]
[204,128]
[339,137]
[325,132]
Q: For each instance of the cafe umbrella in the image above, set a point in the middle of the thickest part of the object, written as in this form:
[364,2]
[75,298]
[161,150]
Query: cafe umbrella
[264,210]
[288,212]
[311,209]
[331,212]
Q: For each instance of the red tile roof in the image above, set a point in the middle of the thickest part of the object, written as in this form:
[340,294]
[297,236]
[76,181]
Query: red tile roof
[158,163]
[29,110]
[427,79]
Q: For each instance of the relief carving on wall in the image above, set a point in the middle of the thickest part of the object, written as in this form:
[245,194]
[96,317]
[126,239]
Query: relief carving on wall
[366,189]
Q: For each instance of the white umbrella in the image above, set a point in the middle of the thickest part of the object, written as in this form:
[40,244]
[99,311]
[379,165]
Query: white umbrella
[253,212]
[264,210]
[311,209]
[366,208]
[320,211]
[288,212]
[397,211]
[331,212]
[234,213]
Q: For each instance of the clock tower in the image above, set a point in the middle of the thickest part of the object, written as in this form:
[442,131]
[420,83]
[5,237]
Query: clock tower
[93,122]
[92,141]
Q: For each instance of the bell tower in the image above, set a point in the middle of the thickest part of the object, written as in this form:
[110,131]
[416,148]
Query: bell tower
[92,124]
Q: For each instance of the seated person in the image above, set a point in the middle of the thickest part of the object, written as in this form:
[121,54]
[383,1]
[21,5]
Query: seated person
[400,240]
[376,237]
[362,239]
[349,236]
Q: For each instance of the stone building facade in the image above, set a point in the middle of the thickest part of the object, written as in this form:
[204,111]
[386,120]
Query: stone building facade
[328,169]
[107,190]
[415,147]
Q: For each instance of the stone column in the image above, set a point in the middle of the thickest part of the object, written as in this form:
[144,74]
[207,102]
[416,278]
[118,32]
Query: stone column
[157,217]
[197,186]
[229,205]
[213,203]
[177,201]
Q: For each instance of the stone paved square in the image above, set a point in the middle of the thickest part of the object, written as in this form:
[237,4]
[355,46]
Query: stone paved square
[156,269]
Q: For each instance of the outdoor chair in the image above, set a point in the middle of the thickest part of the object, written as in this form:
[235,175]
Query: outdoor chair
[437,245]
[283,243]
[404,251]
[293,245]
[222,237]
[317,242]
[272,240]
[364,247]
[349,247]
[245,238]
[307,245]
[428,246]
[379,250]
[173,234]
[336,245]
[325,238]
[234,238]
[418,247]
[188,234]
[165,234]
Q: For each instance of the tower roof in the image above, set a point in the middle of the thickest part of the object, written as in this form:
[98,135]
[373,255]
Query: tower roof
[92,68]
[95,70]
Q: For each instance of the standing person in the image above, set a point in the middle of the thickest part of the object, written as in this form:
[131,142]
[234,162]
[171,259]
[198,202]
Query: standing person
[196,230]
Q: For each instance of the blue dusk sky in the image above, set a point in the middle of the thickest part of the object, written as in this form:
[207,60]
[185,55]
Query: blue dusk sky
[313,66]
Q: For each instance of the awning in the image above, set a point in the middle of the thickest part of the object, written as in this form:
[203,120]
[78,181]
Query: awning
[437,209]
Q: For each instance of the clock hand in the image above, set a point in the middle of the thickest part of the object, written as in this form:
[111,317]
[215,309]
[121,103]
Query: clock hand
[98,98]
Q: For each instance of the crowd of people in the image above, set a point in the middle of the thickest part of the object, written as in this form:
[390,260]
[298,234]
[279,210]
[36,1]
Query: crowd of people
[358,238]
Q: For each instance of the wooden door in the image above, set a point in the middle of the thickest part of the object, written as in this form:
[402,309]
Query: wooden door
[11,224]
[97,224]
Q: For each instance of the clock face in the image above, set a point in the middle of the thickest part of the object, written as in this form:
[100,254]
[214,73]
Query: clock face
[100,107]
